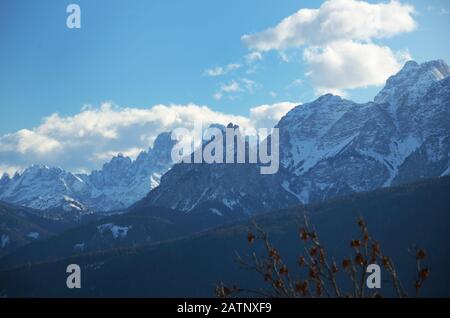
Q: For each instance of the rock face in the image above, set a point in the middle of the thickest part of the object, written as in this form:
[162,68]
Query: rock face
[120,182]
[332,147]
[219,187]
[328,147]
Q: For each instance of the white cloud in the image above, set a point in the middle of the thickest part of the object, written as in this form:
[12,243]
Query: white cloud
[444,11]
[107,155]
[295,83]
[335,19]
[231,87]
[242,85]
[216,71]
[219,70]
[268,115]
[338,41]
[250,85]
[84,141]
[10,170]
[218,96]
[28,142]
[438,10]
[253,57]
[284,56]
[349,65]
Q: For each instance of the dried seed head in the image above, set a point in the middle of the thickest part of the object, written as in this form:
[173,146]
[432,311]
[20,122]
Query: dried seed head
[319,289]
[301,287]
[424,273]
[313,272]
[361,223]
[346,263]
[278,284]
[301,261]
[334,268]
[359,259]
[284,270]
[376,248]
[417,285]
[250,238]
[355,243]
[366,236]
[421,254]
[274,254]
[304,235]
[322,255]
[223,291]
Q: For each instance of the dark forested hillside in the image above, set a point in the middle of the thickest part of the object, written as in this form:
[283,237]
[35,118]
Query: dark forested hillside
[191,266]
[20,226]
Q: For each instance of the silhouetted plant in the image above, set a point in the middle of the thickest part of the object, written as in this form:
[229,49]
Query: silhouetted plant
[320,273]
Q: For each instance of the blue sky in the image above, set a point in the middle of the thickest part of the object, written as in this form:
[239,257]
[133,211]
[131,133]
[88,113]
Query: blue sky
[142,53]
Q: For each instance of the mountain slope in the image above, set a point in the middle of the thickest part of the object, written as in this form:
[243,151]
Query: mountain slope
[120,183]
[191,267]
[138,226]
[328,147]
[20,226]
[332,147]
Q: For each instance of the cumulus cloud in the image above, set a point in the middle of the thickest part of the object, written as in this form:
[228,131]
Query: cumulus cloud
[86,140]
[243,85]
[253,57]
[295,83]
[266,115]
[107,155]
[438,10]
[231,87]
[29,142]
[335,19]
[250,85]
[349,65]
[221,70]
[338,25]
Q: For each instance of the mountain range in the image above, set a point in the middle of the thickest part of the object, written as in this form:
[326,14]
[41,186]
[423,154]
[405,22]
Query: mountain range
[120,183]
[329,147]
[174,229]
[332,147]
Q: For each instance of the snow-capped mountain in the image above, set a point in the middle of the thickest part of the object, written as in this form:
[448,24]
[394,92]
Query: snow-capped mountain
[328,147]
[218,188]
[331,147]
[119,183]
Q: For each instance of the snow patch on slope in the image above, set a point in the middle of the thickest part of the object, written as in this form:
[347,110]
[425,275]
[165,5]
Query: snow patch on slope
[4,240]
[116,230]
[33,235]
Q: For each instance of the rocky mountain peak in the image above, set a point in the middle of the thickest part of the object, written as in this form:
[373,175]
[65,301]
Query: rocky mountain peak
[163,141]
[328,147]
[413,81]
[331,147]
[121,182]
